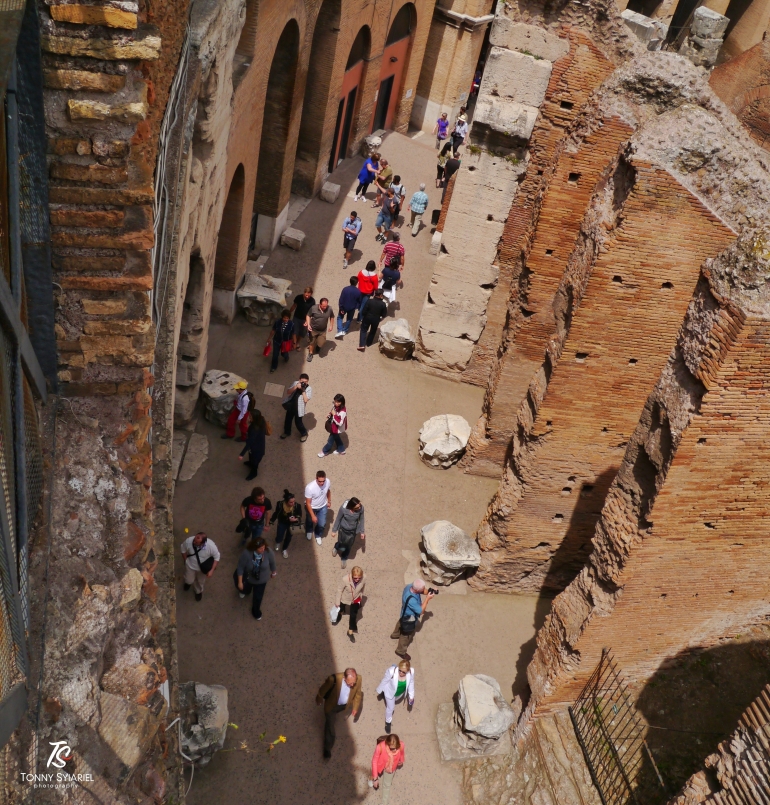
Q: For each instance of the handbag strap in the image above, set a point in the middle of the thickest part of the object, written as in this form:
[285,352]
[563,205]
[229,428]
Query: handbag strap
[195,551]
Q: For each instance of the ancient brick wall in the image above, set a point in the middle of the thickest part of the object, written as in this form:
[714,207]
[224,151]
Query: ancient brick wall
[622,313]
[678,558]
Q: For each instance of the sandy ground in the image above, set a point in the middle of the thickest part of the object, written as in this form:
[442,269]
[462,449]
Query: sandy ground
[273,668]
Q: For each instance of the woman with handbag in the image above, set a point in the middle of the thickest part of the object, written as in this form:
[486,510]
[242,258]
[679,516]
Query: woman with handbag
[288,513]
[255,443]
[350,597]
[256,566]
[282,337]
[387,758]
[336,424]
[348,524]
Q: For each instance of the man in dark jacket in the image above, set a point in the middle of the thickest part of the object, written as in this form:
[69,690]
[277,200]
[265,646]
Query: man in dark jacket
[339,692]
[350,301]
[375,310]
[256,566]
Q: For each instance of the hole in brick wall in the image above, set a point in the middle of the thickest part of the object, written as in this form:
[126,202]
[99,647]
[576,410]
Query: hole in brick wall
[667,285]
[540,173]
[543,545]
[549,251]
[709,525]
[617,278]
[527,313]
[664,595]
[586,490]
[566,104]
[605,430]
[490,217]
[573,178]
[558,518]
[548,423]
[567,490]
[572,478]
[702,440]
[731,592]
[632,361]
[622,444]
[580,357]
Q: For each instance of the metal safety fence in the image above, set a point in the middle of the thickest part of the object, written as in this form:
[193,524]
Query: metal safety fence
[611,733]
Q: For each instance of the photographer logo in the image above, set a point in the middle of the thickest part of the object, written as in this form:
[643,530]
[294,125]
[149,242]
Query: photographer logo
[60,755]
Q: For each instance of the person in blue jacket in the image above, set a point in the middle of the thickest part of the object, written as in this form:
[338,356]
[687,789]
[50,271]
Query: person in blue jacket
[366,175]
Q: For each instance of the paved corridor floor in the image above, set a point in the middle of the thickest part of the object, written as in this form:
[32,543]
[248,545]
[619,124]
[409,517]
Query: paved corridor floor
[272,668]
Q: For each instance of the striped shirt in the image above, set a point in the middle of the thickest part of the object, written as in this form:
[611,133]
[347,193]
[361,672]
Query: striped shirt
[392,249]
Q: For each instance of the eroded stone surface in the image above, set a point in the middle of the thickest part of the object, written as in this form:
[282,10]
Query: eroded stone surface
[204,720]
[447,552]
[482,713]
[396,340]
[443,439]
[197,452]
[219,395]
[262,298]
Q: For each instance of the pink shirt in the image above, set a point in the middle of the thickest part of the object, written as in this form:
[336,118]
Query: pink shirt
[383,761]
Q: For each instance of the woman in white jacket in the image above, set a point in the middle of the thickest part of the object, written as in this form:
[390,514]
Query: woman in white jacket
[397,683]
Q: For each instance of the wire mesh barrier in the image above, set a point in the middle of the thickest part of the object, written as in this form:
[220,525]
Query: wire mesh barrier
[611,733]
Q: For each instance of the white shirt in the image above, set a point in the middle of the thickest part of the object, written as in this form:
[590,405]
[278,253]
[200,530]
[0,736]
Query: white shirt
[461,127]
[300,399]
[204,552]
[344,693]
[317,494]
[242,404]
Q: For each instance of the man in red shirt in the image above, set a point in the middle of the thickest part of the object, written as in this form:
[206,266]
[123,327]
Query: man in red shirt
[392,249]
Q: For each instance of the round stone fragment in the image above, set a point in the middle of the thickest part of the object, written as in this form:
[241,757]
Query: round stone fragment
[443,440]
[447,552]
[396,339]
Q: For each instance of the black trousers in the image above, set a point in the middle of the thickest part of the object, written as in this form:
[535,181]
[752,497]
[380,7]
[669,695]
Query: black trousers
[353,615]
[330,733]
[367,332]
[292,415]
[277,354]
[257,592]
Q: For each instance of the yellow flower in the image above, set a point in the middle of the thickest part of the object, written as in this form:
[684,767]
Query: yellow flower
[281,739]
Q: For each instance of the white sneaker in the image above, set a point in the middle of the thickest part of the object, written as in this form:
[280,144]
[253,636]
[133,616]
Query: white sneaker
[319,540]
[309,534]
[322,454]
[241,595]
[340,334]
[344,263]
[356,198]
[285,554]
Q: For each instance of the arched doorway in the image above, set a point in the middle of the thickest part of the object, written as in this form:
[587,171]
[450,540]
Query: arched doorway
[350,96]
[316,102]
[271,195]
[226,263]
[395,59]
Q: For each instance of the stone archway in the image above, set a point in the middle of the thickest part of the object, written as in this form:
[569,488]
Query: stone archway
[271,195]
[226,263]
[244,51]
[315,108]
[394,66]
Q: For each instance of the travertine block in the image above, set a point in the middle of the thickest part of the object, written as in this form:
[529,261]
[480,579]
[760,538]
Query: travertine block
[515,76]
[83,80]
[330,192]
[94,15]
[293,238]
[505,116]
[506,33]
[96,110]
[146,48]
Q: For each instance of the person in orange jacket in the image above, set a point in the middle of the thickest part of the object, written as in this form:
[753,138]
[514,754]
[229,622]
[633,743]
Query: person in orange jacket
[388,756]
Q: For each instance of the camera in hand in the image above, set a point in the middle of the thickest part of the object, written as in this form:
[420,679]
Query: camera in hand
[433,591]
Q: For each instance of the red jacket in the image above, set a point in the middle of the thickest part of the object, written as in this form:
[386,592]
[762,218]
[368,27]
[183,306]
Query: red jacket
[367,283]
[380,759]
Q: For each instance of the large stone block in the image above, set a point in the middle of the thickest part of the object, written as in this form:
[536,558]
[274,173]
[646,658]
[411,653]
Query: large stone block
[83,79]
[94,15]
[205,715]
[443,440]
[442,351]
[396,340]
[293,238]
[330,192]
[483,713]
[515,76]
[262,298]
[708,24]
[218,389]
[506,33]
[146,47]
[505,116]
[452,322]
[447,552]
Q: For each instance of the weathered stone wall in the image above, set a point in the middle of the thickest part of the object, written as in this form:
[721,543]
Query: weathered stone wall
[681,538]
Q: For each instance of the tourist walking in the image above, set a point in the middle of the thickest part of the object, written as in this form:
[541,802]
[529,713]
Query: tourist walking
[349,303]
[348,524]
[288,513]
[382,181]
[295,404]
[319,321]
[351,226]
[375,310]
[390,279]
[240,413]
[350,598]
[443,157]
[255,443]
[339,692]
[201,557]
[418,203]
[399,191]
[412,609]
[318,499]
[336,425]
[302,303]
[254,510]
[451,167]
[256,566]
[392,249]
[397,686]
[367,175]
[387,758]
[459,133]
[368,281]
[441,129]
[281,339]
[386,215]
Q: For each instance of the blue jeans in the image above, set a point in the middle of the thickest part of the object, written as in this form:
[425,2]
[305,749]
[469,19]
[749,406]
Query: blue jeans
[253,530]
[276,353]
[364,299]
[383,220]
[283,535]
[334,440]
[318,528]
[348,316]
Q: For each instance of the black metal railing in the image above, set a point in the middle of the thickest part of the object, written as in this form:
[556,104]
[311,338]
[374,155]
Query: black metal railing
[611,733]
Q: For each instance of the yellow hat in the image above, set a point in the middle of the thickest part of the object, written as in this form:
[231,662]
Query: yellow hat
[240,385]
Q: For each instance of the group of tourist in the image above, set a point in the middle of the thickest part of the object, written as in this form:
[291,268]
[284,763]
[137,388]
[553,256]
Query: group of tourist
[365,298]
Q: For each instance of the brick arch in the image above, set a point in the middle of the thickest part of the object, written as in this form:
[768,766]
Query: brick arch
[276,121]
[310,145]
[226,263]
[754,94]
[248,38]
[402,31]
